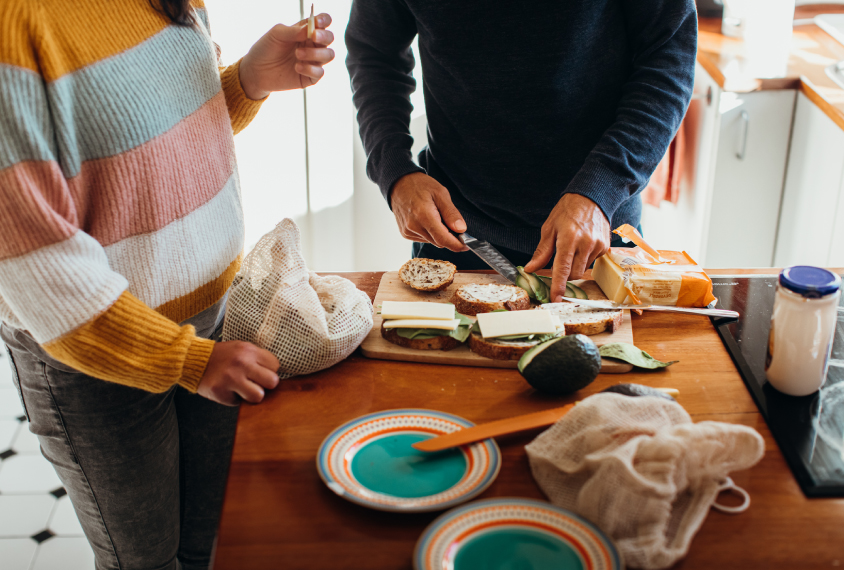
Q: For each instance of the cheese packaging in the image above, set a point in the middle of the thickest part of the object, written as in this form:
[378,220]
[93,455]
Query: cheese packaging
[644,275]
[512,323]
[416,310]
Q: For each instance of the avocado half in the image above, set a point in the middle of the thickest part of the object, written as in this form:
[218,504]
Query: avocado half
[562,365]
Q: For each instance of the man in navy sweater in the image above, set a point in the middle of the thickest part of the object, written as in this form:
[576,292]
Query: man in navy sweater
[545,119]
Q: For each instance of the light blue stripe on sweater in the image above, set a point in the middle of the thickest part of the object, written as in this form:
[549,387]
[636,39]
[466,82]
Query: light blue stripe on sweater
[25,129]
[123,101]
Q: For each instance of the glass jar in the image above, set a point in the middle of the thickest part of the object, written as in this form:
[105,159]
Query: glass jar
[802,328]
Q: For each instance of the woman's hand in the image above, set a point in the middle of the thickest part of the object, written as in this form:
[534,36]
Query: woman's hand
[238,371]
[284,58]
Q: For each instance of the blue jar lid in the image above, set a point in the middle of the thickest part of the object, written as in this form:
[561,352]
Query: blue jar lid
[808,281]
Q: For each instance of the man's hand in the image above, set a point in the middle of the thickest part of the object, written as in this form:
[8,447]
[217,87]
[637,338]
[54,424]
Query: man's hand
[580,232]
[238,371]
[284,58]
[425,213]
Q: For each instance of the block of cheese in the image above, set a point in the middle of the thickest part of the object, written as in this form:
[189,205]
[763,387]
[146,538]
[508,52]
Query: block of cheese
[421,310]
[494,325]
[448,325]
[610,278]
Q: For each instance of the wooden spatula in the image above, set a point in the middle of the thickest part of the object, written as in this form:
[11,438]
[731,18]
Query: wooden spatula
[527,421]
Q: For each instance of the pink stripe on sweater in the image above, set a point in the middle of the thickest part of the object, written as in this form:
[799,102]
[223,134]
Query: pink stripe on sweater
[35,208]
[144,189]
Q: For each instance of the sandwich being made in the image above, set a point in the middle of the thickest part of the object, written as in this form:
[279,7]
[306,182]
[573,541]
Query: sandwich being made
[474,299]
[505,335]
[424,326]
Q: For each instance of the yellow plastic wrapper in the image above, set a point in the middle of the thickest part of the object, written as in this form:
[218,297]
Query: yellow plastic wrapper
[644,275]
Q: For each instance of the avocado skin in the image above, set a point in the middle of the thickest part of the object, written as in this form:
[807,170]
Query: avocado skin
[566,366]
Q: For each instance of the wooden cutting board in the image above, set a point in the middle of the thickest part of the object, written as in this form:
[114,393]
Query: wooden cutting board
[392,289]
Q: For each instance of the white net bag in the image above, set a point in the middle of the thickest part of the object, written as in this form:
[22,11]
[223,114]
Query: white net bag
[309,322]
[640,470]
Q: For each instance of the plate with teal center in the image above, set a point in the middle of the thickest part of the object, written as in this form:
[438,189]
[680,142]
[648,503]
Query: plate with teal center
[370,461]
[513,534]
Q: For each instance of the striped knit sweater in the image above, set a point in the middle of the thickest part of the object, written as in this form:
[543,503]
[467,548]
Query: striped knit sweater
[120,211]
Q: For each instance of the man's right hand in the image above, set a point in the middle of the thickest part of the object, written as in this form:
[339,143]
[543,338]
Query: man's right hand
[423,209]
[238,371]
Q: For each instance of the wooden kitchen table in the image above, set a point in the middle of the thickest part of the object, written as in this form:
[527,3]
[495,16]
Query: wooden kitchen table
[279,515]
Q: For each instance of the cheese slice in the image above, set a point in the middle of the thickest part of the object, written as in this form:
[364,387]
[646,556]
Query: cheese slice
[422,324]
[516,323]
[422,310]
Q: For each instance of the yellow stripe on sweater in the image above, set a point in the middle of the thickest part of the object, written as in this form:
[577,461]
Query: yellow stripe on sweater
[133,345]
[71,35]
[198,300]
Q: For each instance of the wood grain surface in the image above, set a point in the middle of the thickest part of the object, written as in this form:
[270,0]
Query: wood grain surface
[392,288]
[278,514]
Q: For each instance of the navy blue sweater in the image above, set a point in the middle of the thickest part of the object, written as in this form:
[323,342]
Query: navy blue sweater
[526,101]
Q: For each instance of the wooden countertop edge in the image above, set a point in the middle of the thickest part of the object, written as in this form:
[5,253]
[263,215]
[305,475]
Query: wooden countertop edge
[801,83]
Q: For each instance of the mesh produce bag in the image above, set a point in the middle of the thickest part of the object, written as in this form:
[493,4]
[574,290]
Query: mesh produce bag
[309,322]
[641,470]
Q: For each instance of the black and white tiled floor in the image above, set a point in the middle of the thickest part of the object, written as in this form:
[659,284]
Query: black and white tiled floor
[38,528]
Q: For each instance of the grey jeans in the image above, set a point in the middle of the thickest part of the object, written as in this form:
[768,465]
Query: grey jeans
[145,472]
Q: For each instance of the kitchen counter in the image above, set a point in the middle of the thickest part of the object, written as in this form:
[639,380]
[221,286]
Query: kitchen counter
[278,513]
[728,61]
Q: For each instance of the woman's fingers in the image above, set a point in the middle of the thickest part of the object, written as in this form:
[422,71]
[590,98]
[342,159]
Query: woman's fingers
[314,72]
[315,55]
[323,37]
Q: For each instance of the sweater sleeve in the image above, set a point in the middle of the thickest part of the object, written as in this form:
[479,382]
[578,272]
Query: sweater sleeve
[663,39]
[380,64]
[242,109]
[55,279]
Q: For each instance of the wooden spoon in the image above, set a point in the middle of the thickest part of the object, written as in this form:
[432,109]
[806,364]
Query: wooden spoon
[528,421]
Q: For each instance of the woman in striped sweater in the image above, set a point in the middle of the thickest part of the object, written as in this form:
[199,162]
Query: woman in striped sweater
[120,233]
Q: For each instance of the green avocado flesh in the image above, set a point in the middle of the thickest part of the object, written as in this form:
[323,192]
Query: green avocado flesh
[562,365]
[461,333]
[572,290]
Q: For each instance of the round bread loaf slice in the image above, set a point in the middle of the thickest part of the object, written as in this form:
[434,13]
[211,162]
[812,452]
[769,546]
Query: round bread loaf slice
[499,349]
[579,319]
[427,274]
[443,342]
[474,298]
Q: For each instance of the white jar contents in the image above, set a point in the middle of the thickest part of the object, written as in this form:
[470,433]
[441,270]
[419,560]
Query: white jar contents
[802,328]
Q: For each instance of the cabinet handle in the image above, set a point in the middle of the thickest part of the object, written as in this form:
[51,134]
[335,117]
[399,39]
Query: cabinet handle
[742,145]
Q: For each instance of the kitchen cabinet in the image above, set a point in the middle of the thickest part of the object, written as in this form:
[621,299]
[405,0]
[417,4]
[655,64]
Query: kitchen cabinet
[750,163]
[811,226]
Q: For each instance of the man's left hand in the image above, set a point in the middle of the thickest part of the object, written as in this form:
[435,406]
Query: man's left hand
[580,232]
[284,58]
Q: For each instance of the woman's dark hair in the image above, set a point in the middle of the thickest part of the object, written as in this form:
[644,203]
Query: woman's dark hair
[179,11]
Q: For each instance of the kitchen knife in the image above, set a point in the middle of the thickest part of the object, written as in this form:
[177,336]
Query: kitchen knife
[609,305]
[491,256]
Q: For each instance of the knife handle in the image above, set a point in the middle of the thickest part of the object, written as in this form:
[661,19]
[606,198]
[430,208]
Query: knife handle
[493,429]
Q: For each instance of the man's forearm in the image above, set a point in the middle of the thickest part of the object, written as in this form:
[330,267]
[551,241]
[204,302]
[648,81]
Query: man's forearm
[663,36]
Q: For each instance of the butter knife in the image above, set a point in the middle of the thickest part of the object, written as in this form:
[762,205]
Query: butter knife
[491,256]
[609,305]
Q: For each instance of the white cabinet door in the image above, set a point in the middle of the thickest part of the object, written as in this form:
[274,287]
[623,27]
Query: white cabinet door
[811,228]
[749,173]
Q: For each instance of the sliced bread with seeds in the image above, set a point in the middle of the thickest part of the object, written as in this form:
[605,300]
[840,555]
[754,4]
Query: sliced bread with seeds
[427,274]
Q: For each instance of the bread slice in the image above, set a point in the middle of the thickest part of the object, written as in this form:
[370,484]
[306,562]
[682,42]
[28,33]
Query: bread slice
[579,319]
[427,274]
[437,343]
[474,298]
[499,349]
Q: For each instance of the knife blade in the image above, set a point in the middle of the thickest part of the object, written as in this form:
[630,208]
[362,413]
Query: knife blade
[491,256]
[609,305]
